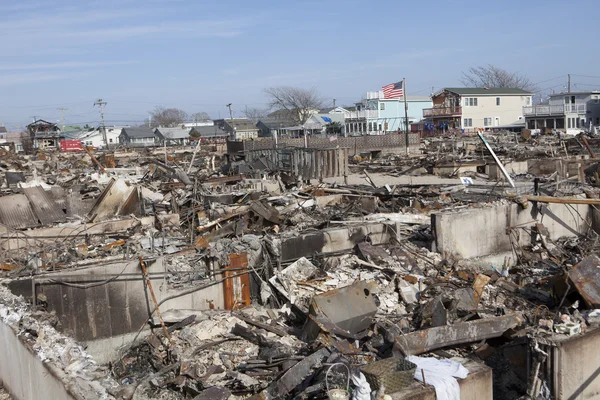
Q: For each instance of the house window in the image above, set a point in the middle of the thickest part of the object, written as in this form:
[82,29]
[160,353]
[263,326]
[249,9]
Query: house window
[110,140]
[370,126]
[468,122]
[596,98]
[382,106]
[569,123]
[379,127]
[497,101]
[597,120]
[471,101]
[567,100]
[528,101]
[487,121]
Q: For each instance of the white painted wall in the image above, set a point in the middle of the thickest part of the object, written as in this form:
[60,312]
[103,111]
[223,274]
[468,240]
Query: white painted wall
[509,111]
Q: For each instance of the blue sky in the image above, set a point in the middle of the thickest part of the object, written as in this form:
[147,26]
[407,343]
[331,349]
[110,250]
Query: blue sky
[201,55]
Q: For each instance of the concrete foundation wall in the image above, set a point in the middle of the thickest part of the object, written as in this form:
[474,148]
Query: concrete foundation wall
[512,167]
[115,308]
[335,239]
[479,232]
[23,374]
[576,368]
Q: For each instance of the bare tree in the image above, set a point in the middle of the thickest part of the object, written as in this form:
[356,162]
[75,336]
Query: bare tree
[494,77]
[167,117]
[300,103]
[255,114]
[200,116]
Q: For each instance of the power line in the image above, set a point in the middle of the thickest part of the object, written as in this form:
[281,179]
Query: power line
[587,76]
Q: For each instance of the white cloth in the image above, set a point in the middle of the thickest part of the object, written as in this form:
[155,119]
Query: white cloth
[441,374]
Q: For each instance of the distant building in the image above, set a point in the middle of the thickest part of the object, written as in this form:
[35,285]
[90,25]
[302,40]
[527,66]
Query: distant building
[3,133]
[238,128]
[44,135]
[95,138]
[139,137]
[209,133]
[207,122]
[570,112]
[174,136]
[470,109]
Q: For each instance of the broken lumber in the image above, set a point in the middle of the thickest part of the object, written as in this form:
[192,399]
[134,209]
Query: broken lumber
[464,332]
[562,200]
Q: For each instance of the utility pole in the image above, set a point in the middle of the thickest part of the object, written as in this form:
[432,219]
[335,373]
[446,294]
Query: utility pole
[333,103]
[405,112]
[101,104]
[569,83]
[62,110]
[231,117]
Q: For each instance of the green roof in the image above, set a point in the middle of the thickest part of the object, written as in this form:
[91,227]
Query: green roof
[489,91]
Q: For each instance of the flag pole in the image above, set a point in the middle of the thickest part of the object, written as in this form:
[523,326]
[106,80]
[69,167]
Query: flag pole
[405,112]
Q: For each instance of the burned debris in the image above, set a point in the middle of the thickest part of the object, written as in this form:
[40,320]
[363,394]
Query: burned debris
[304,272]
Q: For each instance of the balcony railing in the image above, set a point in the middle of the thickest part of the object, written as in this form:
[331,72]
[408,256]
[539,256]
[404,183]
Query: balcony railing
[561,109]
[442,111]
[361,114]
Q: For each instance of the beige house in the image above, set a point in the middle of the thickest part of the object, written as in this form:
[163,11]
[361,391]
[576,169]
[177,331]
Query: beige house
[472,109]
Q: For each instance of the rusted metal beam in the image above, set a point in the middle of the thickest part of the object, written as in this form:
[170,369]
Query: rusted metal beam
[94,159]
[562,200]
[587,146]
[147,278]
[464,332]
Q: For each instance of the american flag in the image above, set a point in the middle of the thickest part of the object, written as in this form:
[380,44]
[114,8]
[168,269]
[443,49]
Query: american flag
[393,90]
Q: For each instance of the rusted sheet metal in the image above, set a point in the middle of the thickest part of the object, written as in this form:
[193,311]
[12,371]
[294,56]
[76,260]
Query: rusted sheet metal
[16,212]
[464,332]
[237,289]
[586,278]
[350,308]
[44,206]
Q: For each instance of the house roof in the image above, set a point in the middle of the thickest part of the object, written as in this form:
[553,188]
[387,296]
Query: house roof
[138,132]
[240,124]
[209,131]
[174,133]
[276,123]
[3,129]
[489,91]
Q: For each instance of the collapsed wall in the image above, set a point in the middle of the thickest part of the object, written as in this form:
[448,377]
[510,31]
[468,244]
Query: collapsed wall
[493,231]
[40,363]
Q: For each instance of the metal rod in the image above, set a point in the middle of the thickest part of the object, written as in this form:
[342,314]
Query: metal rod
[487,145]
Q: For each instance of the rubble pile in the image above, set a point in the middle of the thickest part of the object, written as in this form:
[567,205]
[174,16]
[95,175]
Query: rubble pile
[257,284]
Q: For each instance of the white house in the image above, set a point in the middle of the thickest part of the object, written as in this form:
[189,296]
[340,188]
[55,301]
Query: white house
[571,112]
[96,139]
[471,109]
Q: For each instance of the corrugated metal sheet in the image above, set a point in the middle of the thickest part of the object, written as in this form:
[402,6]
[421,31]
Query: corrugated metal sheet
[16,212]
[44,206]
